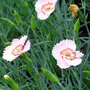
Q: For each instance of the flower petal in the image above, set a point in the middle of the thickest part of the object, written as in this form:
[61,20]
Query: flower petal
[53,1]
[23,39]
[79,54]
[42,16]
[57,49]
[39,5]
[7,55]
[69,44]
[14,41]
[73,62]
[62,64]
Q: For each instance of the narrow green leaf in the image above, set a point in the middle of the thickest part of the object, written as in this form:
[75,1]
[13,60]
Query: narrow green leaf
[76,26]
[28,68]
[8,21]
[87,73]
[50,75]
[33,23]
[24,3]
[83,4]
[38,75]
[82,17]
[11,82]
[88,2]
[8,43]
[48,36]
[17,17]
[1,89]
[26,58]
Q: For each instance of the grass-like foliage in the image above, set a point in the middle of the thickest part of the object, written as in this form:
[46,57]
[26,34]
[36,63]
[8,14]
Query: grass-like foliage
[37,69]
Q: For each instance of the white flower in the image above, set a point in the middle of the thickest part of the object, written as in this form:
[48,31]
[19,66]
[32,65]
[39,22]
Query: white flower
[44,8]
[17,47]
[65,54]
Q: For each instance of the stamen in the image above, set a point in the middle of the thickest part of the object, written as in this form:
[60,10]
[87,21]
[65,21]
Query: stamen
[47,7]
[68,54]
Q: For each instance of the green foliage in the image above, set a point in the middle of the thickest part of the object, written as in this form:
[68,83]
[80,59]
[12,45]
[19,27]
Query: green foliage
[17,17]
[8,21]
[11,82]
[76,26]
[8,43]
[33,23]
[88,2]
[28,68]
[82,17]
[50,75]
[87,73]
[1,88]
[24,3]
[26,58]
[43,35]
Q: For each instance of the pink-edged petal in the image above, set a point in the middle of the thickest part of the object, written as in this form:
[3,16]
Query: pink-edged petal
[39,4]
[26,47]
[38,7]
[22,40]
[47,1]
[69,44]
[54,1]
[43,1]
[57,49]
[62,64]
[79,54]
[42,16]
[14,41]
[7,55]
[74,62]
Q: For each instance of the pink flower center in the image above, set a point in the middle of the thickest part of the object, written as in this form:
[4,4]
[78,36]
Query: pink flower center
[17,50]
[47,7]
[68,54]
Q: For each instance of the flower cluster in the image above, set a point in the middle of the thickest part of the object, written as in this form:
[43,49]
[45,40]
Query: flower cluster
[64,52]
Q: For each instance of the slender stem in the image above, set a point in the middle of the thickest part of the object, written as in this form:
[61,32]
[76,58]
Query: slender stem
[61,86]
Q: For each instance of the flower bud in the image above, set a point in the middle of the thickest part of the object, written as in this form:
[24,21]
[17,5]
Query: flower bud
[11,82]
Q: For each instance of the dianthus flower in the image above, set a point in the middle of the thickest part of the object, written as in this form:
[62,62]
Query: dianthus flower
[44,8]
[66,55]
[17,47]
